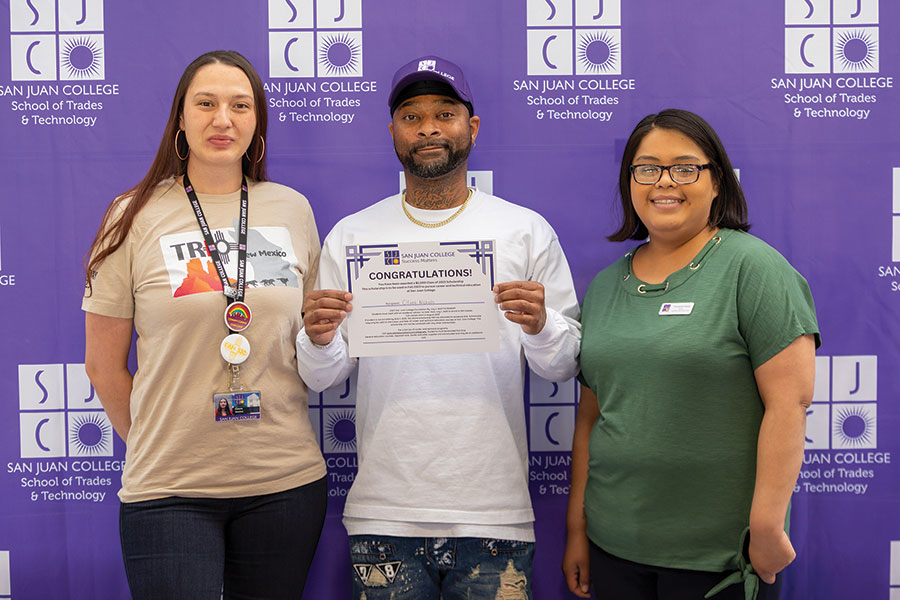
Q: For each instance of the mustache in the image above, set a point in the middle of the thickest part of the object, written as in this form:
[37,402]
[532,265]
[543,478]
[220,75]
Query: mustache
[430,144]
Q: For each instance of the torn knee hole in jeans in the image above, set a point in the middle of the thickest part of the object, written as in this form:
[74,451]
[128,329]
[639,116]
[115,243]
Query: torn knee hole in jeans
[513,583]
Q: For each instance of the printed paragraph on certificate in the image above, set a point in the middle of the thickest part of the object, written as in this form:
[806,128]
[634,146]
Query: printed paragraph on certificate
[422,298]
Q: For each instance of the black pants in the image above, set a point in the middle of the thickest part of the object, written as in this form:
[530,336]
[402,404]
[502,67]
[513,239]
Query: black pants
[615,578]
[258,547]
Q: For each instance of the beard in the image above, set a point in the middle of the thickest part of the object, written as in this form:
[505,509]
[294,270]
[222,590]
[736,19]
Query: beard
[436,168]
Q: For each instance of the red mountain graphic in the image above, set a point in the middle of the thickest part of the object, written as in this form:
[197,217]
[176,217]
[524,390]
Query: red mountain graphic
[200,280]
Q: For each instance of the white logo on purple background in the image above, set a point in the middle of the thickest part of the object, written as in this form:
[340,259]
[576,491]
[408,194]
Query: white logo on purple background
[333,417]
[5,583]
[43,48]
[427,65]
[586,41]
[552,409]
[60,415]
[895,570]
[843,414]
[812,43]
[321,38]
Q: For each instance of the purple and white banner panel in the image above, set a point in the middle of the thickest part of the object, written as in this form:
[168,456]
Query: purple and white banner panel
[804,93]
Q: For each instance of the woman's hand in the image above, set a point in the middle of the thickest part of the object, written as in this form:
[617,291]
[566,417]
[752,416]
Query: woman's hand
[576,564]
[770,553]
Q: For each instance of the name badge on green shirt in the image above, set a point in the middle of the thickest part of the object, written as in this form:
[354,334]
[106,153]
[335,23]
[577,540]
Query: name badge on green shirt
[676,308]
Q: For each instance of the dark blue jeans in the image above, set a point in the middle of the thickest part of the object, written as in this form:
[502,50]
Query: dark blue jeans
[257,547]
[401,568]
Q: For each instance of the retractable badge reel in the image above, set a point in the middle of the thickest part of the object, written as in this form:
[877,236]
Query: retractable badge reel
[236,404]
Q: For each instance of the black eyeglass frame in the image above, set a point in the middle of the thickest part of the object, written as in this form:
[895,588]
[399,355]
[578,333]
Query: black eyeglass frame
[700,169]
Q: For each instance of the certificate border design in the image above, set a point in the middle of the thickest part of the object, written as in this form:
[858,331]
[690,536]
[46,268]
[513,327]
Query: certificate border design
[357,256]
[482,252]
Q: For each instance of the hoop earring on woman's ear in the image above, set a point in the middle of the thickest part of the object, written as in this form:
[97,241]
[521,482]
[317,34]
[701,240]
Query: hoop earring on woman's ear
[176,145]
[263,153]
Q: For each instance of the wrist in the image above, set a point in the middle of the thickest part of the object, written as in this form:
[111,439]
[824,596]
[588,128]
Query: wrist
[321,346]
[766,527]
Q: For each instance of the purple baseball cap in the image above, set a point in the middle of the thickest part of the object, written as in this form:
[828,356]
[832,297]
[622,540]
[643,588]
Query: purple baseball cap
[429,69]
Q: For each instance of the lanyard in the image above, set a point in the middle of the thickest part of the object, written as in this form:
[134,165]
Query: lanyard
[232,294]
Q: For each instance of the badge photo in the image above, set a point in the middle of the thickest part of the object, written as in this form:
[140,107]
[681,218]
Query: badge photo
[237,406]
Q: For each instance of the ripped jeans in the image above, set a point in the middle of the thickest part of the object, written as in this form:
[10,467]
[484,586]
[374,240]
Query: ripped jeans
[407,568]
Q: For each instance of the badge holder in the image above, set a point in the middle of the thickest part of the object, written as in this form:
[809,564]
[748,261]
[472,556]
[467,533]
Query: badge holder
[236,404]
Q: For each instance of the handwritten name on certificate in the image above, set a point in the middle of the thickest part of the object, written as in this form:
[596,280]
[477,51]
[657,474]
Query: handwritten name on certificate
[422,298]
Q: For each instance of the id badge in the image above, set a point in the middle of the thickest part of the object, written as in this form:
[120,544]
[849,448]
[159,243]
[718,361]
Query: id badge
[237,406]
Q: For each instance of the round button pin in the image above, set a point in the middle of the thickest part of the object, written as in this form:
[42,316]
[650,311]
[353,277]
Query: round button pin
[237,316]
[235,349]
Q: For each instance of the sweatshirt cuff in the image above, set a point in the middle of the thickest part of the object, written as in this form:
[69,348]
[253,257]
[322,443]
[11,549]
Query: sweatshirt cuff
[554,327]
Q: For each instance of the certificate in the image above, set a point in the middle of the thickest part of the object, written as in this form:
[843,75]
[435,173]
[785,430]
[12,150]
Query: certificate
[422,298]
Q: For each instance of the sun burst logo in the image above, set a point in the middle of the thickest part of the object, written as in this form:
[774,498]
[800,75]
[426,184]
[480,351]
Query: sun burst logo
[853,427]
[340,54]
[340,431]
[90,434]
[598,52]
[856,50]
[81,57]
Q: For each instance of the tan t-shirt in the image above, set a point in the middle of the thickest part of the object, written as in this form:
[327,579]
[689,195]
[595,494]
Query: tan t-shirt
[162,278]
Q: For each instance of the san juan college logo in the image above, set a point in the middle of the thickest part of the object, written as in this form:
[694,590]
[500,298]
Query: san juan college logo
[56,40]
[584,38]
[59,413]
[843,414]
[315,38]
[552,407]
[333,417]
[831,36]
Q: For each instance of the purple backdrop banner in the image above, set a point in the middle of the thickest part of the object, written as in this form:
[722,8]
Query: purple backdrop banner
[804,94]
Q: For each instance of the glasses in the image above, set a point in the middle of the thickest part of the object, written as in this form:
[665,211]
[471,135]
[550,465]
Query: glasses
[651,174]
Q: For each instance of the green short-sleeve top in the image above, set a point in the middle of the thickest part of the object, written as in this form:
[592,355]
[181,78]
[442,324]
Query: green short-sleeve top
[673,455]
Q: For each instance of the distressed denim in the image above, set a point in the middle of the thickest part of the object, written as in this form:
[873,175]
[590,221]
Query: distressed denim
[401,568]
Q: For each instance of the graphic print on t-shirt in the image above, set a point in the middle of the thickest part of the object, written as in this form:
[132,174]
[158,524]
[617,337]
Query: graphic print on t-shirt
[270,259]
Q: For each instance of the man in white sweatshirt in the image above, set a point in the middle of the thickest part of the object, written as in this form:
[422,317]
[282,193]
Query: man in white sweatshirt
[440,506]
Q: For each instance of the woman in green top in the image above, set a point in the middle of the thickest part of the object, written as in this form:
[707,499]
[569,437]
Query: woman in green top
[697,362]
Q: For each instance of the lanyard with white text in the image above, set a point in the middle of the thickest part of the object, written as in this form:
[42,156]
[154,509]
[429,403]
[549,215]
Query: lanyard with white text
[233,294]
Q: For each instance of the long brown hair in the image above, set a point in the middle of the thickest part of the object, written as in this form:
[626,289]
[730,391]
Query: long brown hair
[729,208]
[114,229]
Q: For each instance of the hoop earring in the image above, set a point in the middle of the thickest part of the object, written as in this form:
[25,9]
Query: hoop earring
[263,142]
[176,145]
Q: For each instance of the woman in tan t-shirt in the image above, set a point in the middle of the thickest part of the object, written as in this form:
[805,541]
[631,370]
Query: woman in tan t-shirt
[201,234]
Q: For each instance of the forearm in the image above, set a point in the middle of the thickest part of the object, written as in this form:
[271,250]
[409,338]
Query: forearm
[778,460]
[113,389]
[576,520]
[107,345]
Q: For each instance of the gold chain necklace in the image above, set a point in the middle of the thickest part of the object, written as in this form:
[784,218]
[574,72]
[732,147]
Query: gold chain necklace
[439,223]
